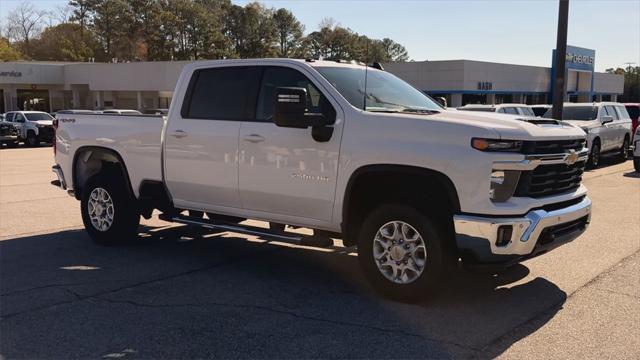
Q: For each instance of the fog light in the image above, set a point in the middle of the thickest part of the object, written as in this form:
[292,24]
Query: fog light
[503,184]
[504,235]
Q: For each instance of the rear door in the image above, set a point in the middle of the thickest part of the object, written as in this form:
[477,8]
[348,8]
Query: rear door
[616,129]
[201,144]
[283,171]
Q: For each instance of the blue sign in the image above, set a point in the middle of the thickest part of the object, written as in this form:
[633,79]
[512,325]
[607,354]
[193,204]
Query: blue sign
[576,59]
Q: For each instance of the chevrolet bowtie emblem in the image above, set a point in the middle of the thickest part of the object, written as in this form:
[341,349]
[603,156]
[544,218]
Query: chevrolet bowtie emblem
[571,157]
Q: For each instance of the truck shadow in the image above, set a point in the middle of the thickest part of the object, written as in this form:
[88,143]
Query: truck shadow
[179,286]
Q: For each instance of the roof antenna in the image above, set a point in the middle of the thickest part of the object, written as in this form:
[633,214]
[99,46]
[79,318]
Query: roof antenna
[366,68]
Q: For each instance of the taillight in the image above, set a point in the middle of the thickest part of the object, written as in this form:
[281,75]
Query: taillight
[55,140]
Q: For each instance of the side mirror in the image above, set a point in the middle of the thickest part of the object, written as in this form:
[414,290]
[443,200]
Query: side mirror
[442,101]
[291,109]
[607,119]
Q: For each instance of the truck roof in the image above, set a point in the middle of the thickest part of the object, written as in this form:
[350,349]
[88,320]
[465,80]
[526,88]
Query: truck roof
[308,62]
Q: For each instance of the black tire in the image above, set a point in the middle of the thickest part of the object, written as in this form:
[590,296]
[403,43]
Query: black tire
[277,226]
[624,150]
[594,156]
[32,139]
[436,253]
[125,215]
[636,164]
[196,214]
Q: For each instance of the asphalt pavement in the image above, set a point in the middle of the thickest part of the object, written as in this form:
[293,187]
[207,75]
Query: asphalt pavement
[184,293]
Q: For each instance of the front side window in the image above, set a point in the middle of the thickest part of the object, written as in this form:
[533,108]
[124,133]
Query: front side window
[612,112]
[511,110]
[38,116]
[222,93]
[275,77]
[384,92]
[18,118]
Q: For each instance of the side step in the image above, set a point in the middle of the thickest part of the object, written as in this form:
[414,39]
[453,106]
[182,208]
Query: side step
[267,234]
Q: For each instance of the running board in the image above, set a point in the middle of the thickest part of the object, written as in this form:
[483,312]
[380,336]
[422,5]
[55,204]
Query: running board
[267,234]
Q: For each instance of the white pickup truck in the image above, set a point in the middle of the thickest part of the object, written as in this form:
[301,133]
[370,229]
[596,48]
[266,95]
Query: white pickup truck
[350,152]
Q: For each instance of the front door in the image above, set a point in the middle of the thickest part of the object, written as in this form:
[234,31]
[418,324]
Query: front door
[284,171]
[201,144]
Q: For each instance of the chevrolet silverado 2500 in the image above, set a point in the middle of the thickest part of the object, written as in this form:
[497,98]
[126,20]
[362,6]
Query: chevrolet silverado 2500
[350,152]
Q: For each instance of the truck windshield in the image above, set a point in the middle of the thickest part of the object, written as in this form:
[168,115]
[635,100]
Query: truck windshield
[576,113]
[385,92]
[38,116]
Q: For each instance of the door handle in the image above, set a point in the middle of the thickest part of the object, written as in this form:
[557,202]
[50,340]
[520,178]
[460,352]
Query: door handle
[179,134]
[254,138]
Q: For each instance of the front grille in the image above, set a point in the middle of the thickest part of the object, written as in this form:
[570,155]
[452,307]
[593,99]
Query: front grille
[46,131]
[548,180]
[552,147]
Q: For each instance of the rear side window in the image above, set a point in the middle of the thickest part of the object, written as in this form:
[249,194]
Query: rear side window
[633,111]
[222,94]
[9,117]
[622,112]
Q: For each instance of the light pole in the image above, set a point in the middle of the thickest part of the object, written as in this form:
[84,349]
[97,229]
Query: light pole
[561,54]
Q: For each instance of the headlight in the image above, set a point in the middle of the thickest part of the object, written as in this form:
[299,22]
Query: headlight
[503,184]
[496,145]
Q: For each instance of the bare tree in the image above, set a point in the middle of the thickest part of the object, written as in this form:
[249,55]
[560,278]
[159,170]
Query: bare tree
[24,23]
[61,14]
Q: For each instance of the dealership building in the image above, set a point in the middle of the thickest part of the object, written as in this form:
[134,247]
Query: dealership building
[52,86]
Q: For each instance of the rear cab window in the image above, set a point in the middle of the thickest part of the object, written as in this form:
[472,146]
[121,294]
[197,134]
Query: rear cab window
[225,93]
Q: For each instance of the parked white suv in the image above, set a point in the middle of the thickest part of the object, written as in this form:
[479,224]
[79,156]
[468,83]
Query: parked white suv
[607,124]
[307,143]
[636,150]
[511,109]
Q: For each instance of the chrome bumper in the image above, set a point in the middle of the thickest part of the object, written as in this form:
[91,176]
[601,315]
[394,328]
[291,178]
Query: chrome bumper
[60,182]
[479,235]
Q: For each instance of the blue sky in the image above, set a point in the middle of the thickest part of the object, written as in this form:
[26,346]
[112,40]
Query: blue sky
[509,31]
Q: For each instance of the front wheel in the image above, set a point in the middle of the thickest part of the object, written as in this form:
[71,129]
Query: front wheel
[32,139]
[108,210]
[402,252]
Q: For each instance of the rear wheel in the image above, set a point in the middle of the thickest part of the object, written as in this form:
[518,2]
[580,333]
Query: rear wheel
[594,156]
[624,150]
[402,252]
[108,210]
[636,164]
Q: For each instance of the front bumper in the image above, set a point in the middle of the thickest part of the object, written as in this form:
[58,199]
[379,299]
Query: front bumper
[536,232]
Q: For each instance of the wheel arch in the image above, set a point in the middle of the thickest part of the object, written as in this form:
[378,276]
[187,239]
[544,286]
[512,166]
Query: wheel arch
[429,182]
[90,160]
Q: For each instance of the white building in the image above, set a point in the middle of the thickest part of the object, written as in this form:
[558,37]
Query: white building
[52,86]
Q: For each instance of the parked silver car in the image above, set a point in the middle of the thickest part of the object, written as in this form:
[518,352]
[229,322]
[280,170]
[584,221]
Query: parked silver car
[607,124]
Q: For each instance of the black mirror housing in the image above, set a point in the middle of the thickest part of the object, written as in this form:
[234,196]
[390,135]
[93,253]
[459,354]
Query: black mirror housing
[291,109]
[607,119]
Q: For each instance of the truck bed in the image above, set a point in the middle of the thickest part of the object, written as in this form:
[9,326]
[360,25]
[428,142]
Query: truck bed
[135,138]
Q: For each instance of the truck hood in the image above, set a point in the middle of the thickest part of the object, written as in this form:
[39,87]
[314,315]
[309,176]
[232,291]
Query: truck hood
[513,126]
